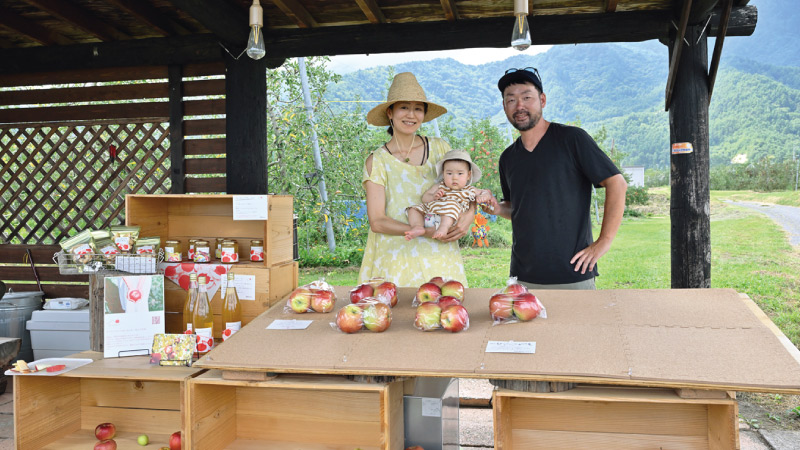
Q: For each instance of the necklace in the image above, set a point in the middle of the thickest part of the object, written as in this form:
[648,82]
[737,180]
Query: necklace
[408,152]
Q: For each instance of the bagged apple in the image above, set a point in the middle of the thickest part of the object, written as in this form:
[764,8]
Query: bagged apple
[515,303]
[371,313]
[317,296]
[447,313]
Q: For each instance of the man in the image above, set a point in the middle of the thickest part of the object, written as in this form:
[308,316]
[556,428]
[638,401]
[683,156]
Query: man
[546,176]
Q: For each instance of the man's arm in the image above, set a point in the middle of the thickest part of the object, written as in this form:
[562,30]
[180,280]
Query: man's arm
[612,219]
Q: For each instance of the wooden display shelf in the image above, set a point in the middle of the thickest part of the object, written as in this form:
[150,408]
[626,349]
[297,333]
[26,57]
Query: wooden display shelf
[61,412]
[294,411]
[599,417]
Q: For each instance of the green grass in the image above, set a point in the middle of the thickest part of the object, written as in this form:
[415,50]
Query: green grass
[788,198]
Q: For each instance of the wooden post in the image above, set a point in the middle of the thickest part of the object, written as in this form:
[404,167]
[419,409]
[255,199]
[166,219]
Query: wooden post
[689,172]
[96,312]
[246,125]
[178,175]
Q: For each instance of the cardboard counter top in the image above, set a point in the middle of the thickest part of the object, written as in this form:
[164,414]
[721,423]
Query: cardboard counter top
[687,338]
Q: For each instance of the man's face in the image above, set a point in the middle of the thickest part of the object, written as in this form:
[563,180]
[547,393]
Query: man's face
[523,105]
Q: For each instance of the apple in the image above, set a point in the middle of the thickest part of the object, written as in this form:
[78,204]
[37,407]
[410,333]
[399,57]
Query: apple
[438,281]
[428,316]
[322,301]
[106,444]
[515,289]
[377,317]
[387,290]
[454,318]
[501,306]
[143,440]
[526,307]
[428,292]
[105,431]
[416,447]
[175,441]
[453,288]
[349,319]
[300,300]
[361,292]
[446,301]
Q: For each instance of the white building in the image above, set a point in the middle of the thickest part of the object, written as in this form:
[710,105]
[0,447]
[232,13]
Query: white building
[636,173]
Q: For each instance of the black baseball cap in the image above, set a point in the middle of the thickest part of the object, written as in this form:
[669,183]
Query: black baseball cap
[519,76]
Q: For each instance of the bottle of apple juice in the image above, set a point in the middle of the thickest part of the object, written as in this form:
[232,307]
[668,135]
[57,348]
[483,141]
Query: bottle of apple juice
[188,305]
[231,310]
[203,320]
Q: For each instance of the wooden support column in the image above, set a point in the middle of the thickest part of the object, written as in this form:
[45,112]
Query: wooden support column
[246,125]
[178,172]
[689,205]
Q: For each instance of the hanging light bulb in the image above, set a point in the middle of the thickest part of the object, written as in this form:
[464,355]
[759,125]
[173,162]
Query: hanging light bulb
[521,36]
[255,43]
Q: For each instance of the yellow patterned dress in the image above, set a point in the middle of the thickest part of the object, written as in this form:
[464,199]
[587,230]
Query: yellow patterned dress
[408,263]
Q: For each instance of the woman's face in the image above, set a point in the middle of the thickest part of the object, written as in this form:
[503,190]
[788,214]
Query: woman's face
[406,117]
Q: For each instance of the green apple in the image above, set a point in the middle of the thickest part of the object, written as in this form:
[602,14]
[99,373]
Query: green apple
[143,440]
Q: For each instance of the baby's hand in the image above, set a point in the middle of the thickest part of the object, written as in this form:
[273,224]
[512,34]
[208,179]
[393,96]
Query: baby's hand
[439,194]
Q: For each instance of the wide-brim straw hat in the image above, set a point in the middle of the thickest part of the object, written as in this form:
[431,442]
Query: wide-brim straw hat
[462,156]
[404,88]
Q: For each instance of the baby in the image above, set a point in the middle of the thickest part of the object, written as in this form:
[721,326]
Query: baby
[450,196]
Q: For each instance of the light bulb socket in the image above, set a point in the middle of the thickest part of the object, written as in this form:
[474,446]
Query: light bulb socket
[520,7]
[256,14]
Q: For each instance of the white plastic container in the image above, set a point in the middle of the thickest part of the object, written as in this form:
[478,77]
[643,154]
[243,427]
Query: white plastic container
[56,333]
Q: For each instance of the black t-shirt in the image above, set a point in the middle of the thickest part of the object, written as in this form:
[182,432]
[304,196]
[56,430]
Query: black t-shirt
[550,191]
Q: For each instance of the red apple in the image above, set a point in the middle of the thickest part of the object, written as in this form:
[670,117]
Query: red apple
[416,447]
[515,289]
[377,317]
[322,301]
[349,319]
[501,306]
[526,307]
[175,441]
[428,292]
[300,300]
[446,301]
[454,318]
[428,316]
[387,290]
[453,288]
[438,281]
[105,431]
[361,292]
[106,444]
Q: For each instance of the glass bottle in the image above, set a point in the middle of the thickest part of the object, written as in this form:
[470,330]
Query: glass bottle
[231,310]
[203,320]
[188,306]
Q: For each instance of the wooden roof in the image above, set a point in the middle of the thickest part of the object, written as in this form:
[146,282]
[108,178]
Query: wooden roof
[87,32]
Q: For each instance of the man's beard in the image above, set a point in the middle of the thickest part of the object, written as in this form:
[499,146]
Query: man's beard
[525,126]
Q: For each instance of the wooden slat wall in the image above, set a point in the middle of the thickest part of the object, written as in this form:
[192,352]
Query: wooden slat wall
[18,275]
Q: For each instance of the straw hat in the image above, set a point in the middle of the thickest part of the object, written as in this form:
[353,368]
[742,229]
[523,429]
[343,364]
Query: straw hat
[405,88]
[462,156]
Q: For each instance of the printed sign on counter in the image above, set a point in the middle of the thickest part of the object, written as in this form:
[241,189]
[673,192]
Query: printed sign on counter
[510,347]
[134,313]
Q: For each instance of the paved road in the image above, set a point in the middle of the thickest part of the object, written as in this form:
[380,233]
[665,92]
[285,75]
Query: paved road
[786,216]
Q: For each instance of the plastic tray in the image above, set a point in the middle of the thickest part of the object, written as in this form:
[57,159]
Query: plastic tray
[71,363]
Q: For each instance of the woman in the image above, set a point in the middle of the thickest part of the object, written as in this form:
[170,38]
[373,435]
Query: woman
[395,176]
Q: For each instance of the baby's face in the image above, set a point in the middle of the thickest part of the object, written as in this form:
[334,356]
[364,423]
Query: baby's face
[456,174]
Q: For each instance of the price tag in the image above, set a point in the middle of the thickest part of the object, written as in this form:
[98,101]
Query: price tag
[279,324]
[431,407]
[250,207]
[510,347]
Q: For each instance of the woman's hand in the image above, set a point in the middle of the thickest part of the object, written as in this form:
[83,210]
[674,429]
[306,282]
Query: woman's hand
[462,226]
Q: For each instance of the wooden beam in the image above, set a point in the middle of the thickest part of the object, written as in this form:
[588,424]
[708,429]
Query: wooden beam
[371,9]
[676,52]
[31,29]
[712,71]
[222,18]
[610,6]
[740,18]
[177,175]
[150,16]
[245,126]
[450,10]
[78,17]
[297,12]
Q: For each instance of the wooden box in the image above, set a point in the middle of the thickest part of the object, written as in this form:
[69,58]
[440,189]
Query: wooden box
[61,412]
[185,217]
[613,418]
[272,284]
[294,411]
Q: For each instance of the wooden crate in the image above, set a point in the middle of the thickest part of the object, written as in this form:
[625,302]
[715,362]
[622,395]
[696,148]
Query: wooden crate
[272,284]
[61,412]
[613,418]
[294,411]
[184,217]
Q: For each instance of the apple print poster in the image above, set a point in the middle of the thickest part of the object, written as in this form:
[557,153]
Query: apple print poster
[134,313]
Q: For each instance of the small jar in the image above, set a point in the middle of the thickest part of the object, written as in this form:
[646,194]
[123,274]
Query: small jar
[202,252]
[172,251]
[256,250]
[218,251]
[190,251]
[229,251]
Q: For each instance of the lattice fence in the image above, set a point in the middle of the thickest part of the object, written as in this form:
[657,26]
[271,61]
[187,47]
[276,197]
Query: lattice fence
[57,180]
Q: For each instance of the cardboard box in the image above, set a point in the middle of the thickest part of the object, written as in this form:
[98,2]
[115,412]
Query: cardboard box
[184,217]
[294,411]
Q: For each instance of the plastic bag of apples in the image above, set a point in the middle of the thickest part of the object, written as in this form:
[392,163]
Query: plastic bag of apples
[439,306]
[317,296]
[379,288]
[369,313]
[515,304]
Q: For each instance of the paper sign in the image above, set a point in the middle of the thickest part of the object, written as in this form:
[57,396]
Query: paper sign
[431,407]
[510,347]
[293,324]
[250,207]
[245,286]
[679,148]
[134,313]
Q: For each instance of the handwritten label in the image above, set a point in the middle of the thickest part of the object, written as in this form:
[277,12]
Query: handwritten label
[245,286]
[250,207]
[279,324]
[431,407]
[510,347]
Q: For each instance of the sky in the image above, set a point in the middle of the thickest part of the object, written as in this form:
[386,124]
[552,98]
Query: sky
[472,56]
